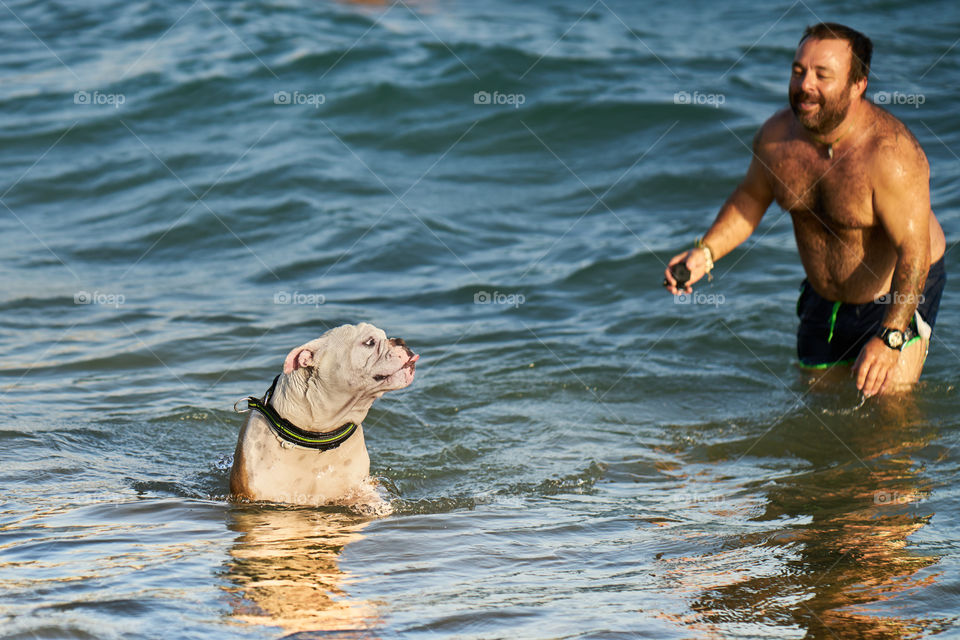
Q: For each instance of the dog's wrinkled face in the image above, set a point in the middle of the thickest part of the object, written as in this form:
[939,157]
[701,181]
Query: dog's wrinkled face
[335,378]
[355,359]
[327,383]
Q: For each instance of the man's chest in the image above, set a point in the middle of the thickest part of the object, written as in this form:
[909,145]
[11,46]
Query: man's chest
[833,190]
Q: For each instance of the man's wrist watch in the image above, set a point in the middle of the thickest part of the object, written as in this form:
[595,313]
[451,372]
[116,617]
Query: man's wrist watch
[893,338]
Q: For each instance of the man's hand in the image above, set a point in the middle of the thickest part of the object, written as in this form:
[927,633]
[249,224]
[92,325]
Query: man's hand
[874,366]
[695,261]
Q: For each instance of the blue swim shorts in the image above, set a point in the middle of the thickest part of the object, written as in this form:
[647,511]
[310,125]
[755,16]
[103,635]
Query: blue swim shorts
[833,333]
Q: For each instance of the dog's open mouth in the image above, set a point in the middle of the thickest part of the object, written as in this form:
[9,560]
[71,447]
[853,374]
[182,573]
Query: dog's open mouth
[409,364]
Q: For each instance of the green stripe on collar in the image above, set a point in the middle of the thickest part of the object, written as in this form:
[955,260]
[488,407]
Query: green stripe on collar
[286,430]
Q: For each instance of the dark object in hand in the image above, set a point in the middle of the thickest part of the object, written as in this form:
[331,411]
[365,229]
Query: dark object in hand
[680,273]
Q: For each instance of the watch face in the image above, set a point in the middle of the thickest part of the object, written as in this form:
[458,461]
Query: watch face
[895,339]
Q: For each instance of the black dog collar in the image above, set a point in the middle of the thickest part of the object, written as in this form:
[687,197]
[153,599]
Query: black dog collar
[286,430]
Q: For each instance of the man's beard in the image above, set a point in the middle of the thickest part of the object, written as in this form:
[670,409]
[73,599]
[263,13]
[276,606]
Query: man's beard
[830,114]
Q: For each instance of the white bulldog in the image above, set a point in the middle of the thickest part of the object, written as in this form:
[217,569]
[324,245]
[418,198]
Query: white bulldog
[303,442]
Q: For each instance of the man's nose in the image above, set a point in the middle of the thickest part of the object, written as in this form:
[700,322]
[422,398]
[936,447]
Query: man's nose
[808,82]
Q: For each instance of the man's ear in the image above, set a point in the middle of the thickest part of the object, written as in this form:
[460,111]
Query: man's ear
[860,88]
[299,357]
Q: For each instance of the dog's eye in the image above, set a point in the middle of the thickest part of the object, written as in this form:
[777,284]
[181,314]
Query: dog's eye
[370,342]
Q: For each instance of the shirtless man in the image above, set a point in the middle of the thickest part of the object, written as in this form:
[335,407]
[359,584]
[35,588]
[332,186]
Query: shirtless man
[856,184]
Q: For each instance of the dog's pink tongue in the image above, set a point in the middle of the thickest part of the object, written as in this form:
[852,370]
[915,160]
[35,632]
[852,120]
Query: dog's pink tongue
[412,362]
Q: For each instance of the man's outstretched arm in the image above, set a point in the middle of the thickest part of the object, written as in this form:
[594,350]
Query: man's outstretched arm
[737,219]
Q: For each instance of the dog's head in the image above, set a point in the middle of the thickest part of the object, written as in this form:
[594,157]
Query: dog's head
[335,378]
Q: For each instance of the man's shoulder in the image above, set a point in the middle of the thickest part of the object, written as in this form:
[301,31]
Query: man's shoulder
[776,129]
[891,140]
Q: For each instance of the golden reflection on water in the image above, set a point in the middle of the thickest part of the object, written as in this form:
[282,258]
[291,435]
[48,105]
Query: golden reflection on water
[285,571]
[841,560]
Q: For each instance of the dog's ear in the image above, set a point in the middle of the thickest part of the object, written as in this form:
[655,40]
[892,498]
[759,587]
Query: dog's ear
[299,357]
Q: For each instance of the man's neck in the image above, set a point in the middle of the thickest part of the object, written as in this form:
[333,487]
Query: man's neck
[842,131]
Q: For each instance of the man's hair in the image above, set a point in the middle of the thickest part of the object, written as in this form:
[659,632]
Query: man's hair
[860,46]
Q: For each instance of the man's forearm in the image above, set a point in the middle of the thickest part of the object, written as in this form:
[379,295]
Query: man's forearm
[906,289]
[731,227]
